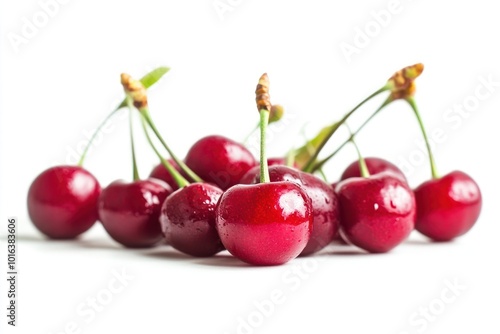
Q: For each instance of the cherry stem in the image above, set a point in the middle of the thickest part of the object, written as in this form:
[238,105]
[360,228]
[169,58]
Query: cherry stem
[247,138]
[290,158]
[413,105]
[264,168]
[312,160]
[362,163]
[178,178]
[132,146]
[320,163]
[145,112]
[84,154]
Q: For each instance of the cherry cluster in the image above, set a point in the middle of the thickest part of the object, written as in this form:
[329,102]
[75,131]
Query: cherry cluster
[264,212]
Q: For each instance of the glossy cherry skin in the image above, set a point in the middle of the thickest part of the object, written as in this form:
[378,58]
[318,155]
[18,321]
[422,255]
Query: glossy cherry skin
[129,212]
[265,224]
[377,213]
[375,166]
[324,202]
[447,207]
[278,162]
[188,220]
[219,160]
[62,201]
[161,173]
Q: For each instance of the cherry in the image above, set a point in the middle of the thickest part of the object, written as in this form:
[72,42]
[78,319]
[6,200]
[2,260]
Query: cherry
[377,213]
[62,201]
[375,166]
[279,161]
[447,207]
[219,160]
[323,198]
[188,215]
[276,161]
[188,220]
[129,212]
[268,223]
[161,173]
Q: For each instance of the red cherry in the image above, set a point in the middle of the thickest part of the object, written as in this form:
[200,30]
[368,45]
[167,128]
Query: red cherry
[447,207]
[377,212]
[323,199]
[219,160]
[266,223]
[129,212]
[62,201]
[161,173]
[188,220]
[375,166]
[279,162]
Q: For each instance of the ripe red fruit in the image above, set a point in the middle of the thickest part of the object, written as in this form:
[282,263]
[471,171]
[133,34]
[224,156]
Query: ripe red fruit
[279,162]
[62,201]
[377,212]
[188,220]
[447,207]
[129,212]
[323,199]
[375,166]
[266,223]
[219,160]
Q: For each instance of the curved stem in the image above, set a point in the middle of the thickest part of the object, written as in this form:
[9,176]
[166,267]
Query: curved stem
[180,163]
[250,134]
[362,163]
[411,102]
[323,175]
[178,178]
[290,158]
[310,163]
[320,163]
[84,154]
[132,146]
[264,169]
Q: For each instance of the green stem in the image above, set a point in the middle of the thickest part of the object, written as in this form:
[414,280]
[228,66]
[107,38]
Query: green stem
[320,163]
[147,80]
[132,146]
[84,154]
[178,178]
[362,163]
[323,175]
[250,134]
[310,163]
[180,163]
[290,158]
[264,169]
[411,102]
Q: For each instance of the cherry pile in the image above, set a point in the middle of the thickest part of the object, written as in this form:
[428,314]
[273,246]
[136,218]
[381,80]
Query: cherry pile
[266,211]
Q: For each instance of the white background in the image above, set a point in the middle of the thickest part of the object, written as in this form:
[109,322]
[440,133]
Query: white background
[60,83]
